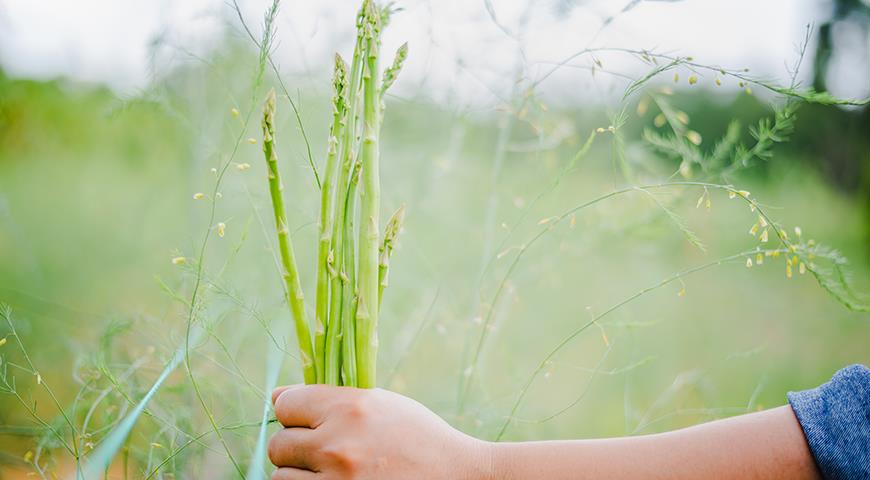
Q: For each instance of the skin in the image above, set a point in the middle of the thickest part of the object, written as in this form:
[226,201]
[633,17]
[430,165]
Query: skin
[341,433]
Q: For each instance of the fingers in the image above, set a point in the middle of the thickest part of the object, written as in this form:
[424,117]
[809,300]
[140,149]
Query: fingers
[307,405]
[278,391]
[293,447]
[294,474]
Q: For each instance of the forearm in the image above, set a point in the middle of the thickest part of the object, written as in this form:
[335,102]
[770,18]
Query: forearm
[767,445]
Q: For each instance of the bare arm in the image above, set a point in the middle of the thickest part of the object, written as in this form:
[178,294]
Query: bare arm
[767,445]
[337,433]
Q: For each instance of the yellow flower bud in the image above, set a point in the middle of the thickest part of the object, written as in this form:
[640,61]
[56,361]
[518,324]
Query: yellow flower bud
[198,196]
[221,229]
[693,79]
[252,140]
[234,112]
[683,117]
[179,261]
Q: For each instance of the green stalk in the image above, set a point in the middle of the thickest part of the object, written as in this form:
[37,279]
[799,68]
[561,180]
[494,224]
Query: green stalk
[350,296]
[295,298]
[390,234]
[327,194]
[337,337]
[367,306]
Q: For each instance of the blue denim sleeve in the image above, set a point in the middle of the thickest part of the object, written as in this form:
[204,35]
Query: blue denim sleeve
[835,418]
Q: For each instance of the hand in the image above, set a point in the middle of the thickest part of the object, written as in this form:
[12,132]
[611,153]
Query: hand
[337,433]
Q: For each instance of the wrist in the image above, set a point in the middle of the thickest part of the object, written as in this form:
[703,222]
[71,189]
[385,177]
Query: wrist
[486,462]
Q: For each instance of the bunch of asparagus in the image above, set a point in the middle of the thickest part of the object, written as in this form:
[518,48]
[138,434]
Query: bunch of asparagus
[353,259]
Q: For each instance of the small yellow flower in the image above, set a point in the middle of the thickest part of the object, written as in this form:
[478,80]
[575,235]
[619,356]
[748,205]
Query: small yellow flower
[732,194]
[611,129]
[252,140]
[600,130]
[795,260]
[213,170]
[748,263]
[221,229]
[762,221]
[764,236]
[218,195]
[676,77]
[775,254]
[693,79]
[642,106]
[759,259]
[28,456]
[740,84]
[748,91]
[2,341]
[179,261]
[683,117]
[694,137]
[234,112]
[718,82]
[811,243]
[243,166]
[198,196]
[686,170]
[802,268]
[754,230]
[797,231]
[660,120]
[788,272]
[682,292]
[743,193]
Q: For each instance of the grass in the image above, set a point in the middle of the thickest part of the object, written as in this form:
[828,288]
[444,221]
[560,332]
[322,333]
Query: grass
[570,285]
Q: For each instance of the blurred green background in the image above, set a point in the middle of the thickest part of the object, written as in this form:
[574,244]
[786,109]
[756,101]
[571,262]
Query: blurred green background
[96,199]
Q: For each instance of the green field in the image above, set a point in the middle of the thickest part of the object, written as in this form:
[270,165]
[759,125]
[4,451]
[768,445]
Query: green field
[97,199]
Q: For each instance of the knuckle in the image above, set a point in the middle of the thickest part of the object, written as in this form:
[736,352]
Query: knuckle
[359,407]
[346,459]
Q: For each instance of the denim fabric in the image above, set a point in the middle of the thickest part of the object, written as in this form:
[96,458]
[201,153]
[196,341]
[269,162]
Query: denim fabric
[835,418]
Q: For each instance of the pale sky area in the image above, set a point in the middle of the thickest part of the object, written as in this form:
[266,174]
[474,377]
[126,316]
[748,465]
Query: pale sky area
[457,50]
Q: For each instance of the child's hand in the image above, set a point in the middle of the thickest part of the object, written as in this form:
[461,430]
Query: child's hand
[336,433]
